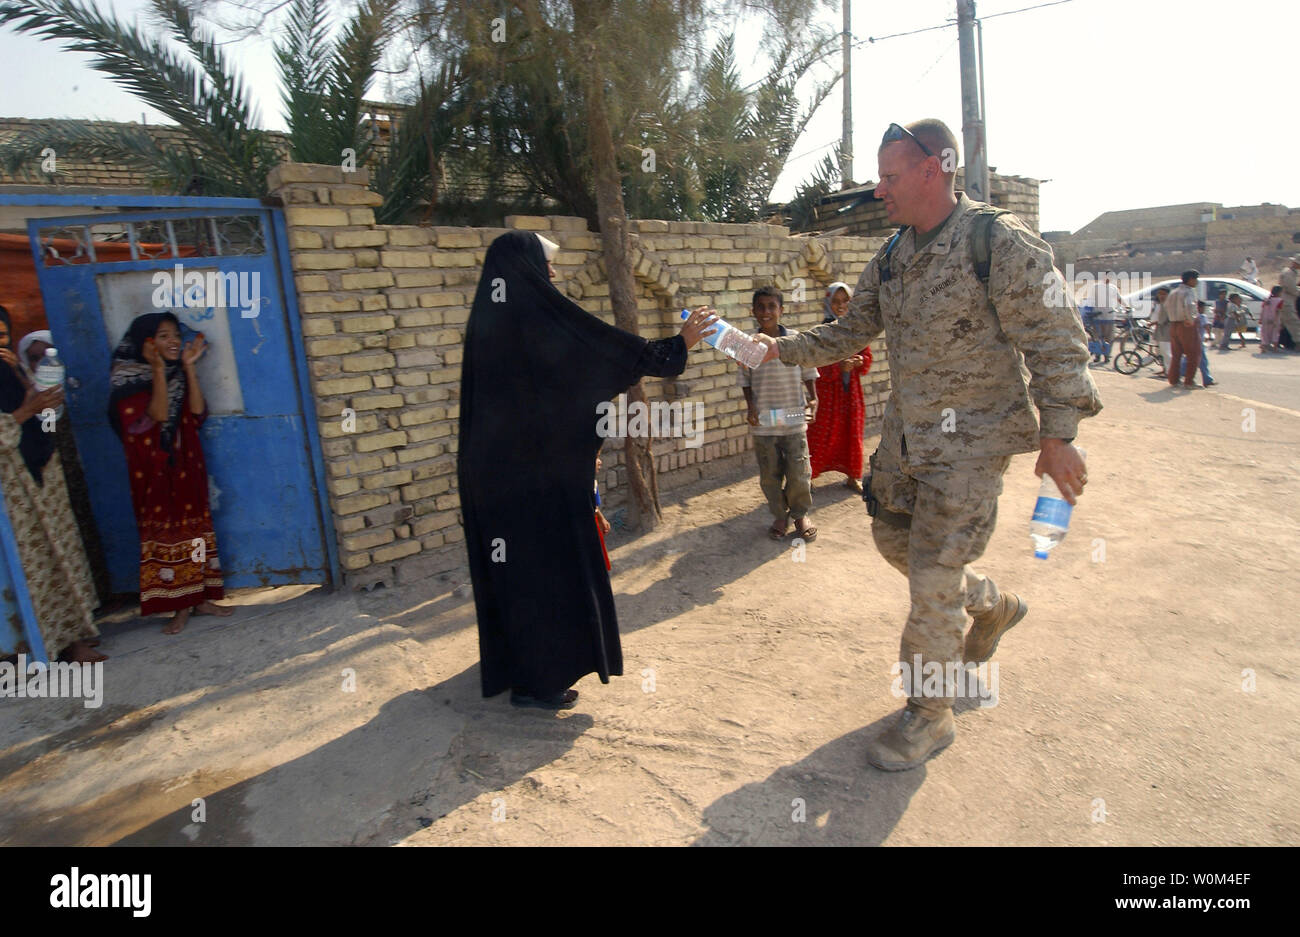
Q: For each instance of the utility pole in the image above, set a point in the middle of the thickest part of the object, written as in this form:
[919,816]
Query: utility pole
[846,139]
[972,105]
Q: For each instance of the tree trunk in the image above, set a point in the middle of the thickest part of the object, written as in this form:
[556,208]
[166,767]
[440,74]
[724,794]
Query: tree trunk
[638,456]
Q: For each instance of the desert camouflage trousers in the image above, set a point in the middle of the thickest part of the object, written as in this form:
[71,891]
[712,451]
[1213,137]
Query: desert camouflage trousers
[1290,318]
[933,521]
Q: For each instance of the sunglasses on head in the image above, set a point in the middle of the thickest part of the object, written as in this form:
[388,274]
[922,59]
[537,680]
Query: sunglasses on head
[897,132]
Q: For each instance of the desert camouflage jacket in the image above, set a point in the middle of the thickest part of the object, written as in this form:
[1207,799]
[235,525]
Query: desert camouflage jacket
[965,361]
[1288,279]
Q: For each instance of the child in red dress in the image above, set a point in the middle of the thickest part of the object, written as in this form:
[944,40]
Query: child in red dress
[156,407]
[835,440]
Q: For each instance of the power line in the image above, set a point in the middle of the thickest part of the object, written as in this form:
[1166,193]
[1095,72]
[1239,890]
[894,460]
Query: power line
[832,49]
[873,39]
[913,32]
[926,29]
[1054,3]
[942,55]
[816,149]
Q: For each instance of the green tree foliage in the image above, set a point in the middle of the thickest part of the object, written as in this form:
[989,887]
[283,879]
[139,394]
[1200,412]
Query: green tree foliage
[706,149]
[410,174]
[745,136]
[495,125]
[325,81]
[221,150]
[801,211]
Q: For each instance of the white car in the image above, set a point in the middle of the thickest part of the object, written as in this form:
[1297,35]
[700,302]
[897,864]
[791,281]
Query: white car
[1207,290]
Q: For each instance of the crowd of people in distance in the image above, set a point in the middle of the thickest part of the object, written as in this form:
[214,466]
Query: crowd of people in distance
[1183,325]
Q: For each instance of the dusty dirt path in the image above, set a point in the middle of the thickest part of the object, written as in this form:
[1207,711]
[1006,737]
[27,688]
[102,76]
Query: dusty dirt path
[1120,695]
[1121,718]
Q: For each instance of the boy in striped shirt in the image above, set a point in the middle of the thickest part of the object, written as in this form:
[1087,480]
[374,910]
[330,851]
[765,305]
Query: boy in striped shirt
[777,395]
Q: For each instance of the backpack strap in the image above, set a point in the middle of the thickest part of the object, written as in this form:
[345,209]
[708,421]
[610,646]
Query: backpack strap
[981,240]
[885,273]
[981,244]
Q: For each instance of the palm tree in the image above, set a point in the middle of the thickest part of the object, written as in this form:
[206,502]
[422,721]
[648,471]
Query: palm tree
[801,211]
[220,150]
[745,137]
[410,173]
[325,83]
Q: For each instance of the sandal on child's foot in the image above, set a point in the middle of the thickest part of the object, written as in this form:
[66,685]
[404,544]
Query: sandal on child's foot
[803,528]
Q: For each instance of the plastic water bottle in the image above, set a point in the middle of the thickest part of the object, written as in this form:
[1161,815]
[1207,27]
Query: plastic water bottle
[50,373]
[790,416]
[734,343]
[1051,520]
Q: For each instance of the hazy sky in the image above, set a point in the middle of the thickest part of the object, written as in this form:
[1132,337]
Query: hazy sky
[1120,103]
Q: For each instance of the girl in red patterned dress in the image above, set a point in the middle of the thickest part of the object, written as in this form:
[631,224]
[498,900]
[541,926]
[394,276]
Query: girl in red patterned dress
[156,408]
[835,439]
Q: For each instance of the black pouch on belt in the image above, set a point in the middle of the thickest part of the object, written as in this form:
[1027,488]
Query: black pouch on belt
[867,497]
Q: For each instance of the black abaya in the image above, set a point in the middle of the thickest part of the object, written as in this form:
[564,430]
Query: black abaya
[536,365]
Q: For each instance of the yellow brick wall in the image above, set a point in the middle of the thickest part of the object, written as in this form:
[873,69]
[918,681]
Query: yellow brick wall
[384,309]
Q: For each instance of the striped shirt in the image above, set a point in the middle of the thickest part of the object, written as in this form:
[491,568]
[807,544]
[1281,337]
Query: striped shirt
[776,385]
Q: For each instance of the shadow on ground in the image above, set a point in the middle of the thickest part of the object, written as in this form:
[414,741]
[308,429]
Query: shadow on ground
[739,540]
[833,797]
[342,793]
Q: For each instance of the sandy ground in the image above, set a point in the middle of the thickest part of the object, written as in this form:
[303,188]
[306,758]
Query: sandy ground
[753,681]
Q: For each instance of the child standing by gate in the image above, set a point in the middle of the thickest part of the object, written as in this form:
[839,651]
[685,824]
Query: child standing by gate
[156,408]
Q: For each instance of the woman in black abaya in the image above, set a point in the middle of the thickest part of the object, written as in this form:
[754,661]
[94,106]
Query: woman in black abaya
[536,366]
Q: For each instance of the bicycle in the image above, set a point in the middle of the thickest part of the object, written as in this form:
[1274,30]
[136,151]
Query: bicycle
[1144,351]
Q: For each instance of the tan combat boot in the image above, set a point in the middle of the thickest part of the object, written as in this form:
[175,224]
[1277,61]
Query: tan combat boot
[911,740]
[989,627]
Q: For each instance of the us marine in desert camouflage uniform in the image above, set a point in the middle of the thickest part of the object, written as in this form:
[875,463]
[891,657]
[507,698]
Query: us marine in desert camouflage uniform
[969,364]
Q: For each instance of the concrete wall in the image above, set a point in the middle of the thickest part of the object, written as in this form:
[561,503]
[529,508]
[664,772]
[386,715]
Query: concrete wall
[384,311]
[1168,240]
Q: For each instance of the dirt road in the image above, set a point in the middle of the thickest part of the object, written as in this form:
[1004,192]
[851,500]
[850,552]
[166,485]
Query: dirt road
[1150,696]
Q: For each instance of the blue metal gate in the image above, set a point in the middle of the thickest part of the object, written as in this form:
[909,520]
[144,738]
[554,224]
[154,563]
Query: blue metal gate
[216,263]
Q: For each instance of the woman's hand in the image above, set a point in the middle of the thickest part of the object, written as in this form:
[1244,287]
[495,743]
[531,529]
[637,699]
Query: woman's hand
[37,402]
[151,353]
[193,350]
[697,325]
[9,358]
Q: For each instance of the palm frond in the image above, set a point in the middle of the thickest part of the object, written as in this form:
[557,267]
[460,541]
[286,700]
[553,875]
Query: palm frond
[351,69]
[302,59]
[411,171]
[176,167]
[207,102]
[802,210]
